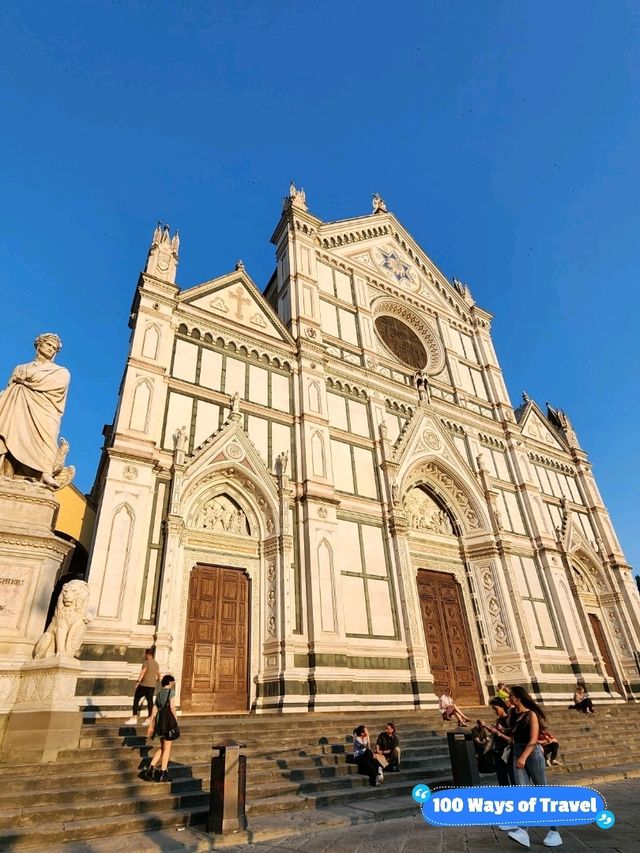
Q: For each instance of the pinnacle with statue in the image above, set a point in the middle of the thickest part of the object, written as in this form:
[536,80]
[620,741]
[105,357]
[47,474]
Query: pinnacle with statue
[31,408]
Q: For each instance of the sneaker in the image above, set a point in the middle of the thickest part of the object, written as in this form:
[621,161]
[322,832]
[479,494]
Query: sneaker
[557,763]
[380,776]
[132,722]
[521,836]
[552,839]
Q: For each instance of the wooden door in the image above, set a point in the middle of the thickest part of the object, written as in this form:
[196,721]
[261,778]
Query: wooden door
[447,634]
[215,673]
[603,647]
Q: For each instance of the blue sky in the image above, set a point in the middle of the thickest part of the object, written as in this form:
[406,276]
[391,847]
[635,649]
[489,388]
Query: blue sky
[504,136]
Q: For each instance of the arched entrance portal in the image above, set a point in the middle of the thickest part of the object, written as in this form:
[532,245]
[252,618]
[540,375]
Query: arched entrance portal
[442,602]
[215,672]
[591,589]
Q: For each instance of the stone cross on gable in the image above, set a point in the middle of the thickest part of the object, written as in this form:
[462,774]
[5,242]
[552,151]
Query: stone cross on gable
[241,299]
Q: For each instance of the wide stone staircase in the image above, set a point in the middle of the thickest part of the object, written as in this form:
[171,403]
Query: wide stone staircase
[295,764]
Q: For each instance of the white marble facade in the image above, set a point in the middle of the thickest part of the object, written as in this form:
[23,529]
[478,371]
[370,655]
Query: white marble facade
[336,439]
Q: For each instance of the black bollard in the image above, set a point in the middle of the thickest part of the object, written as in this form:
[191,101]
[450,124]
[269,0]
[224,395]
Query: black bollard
[463,757]
[228,789]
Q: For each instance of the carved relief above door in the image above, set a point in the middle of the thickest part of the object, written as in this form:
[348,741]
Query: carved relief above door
[448,638]
[215,675]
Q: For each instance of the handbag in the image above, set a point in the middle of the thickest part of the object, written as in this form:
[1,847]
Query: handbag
[173,732]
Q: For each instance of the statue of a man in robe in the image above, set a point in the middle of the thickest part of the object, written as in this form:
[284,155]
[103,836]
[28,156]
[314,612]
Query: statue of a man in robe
[31,409]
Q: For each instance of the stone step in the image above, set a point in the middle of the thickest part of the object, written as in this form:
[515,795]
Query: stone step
[42,836]
[95,791]
[160,799]
[186,780]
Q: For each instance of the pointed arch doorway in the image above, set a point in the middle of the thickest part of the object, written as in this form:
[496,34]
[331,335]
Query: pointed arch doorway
[433,528]
[447,635]
[215,672]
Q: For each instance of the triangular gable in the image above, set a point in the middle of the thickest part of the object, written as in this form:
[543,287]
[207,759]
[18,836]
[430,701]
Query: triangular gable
[534,425]
[231,445]
[423,434]
[236,299]
[384,248]
[424,440]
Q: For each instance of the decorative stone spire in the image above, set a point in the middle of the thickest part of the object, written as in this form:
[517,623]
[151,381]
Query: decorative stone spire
[296,198]
[464,291]
[239,265]
[525,397]
[561,421]
[378,203]
[162,260]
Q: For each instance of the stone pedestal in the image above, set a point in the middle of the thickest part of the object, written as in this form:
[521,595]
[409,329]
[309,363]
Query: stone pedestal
[45,716]
[31,556]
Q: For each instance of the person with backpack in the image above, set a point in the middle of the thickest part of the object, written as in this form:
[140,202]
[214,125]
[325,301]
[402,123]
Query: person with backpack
[164,724]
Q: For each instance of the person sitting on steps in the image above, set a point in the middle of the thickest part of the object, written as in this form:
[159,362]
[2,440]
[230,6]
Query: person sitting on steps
[449,709]
[387,751]
[581,701]
[550,746]
[367,764]
[503,691]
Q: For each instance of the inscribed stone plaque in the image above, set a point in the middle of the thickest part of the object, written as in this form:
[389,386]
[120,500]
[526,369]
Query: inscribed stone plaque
[14,585]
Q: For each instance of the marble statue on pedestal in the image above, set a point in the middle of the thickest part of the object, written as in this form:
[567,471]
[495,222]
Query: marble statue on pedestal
[31,409]
[65,632]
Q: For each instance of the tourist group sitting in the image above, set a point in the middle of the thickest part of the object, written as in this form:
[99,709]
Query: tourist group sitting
[385,755]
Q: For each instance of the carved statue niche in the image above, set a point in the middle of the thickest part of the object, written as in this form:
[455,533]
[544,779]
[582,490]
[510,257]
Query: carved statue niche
[65,632]
[222,514]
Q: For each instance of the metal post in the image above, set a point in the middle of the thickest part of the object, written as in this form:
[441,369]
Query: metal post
[228,789]
[464,765]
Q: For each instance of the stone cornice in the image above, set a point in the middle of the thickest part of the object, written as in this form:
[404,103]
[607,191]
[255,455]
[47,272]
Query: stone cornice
[558,465]
[169,290]
[59,547]
[271,347]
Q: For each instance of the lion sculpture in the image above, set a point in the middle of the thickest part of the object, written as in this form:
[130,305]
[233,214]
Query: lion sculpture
[65,632]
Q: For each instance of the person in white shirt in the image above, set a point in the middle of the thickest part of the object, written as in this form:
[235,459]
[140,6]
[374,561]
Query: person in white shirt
[449,709]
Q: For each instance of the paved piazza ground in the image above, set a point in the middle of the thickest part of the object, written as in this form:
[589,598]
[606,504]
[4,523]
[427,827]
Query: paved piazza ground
[407,835]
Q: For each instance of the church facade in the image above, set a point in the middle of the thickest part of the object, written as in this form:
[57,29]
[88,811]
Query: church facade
[321,497]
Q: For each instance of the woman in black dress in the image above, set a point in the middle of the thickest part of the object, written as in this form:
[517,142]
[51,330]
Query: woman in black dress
[162,722]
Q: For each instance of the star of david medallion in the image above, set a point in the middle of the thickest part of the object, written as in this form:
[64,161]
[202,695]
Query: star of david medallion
[390,262]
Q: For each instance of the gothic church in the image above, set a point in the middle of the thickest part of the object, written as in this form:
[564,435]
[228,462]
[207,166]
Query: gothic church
[320,497]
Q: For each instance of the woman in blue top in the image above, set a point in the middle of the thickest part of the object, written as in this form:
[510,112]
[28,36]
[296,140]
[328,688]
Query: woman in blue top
[162,718]
[367,764]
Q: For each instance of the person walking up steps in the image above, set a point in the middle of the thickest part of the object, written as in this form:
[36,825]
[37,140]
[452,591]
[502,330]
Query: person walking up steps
[163,723]
[146,686]
[528,757]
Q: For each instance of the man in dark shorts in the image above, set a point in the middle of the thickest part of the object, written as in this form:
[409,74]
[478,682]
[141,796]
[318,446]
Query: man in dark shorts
[145,688]
[387,748]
